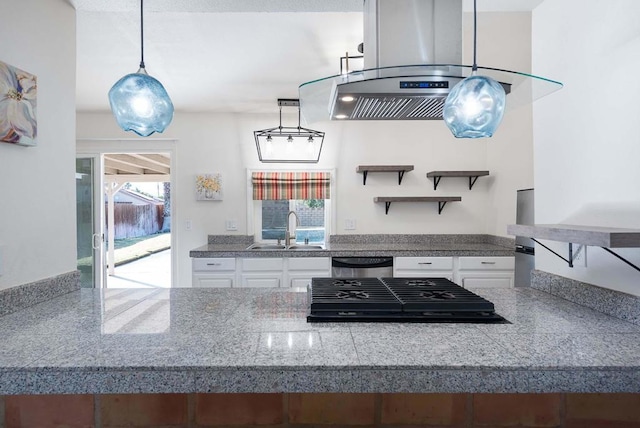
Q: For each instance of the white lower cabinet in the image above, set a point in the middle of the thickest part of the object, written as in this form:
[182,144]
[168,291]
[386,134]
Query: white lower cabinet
[213,272]
[427,267]
[261,272]
[485,272]
[300,270]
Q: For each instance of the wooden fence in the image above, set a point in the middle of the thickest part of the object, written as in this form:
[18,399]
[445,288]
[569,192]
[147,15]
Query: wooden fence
[132,221]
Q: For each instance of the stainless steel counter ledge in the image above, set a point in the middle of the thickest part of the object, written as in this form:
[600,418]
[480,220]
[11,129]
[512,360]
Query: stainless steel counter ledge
[258,340]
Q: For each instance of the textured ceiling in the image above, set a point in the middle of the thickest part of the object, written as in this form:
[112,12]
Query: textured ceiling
[221,55]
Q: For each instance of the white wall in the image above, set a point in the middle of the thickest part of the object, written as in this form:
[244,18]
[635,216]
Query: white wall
[510,151]
[587,149]
[224,143]
[37,219]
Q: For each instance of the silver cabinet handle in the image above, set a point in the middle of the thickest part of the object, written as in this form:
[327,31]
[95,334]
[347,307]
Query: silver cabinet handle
[488,263]
[214,264]
[425,263]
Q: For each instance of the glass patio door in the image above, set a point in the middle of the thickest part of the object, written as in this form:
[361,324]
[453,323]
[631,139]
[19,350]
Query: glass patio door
[88,218]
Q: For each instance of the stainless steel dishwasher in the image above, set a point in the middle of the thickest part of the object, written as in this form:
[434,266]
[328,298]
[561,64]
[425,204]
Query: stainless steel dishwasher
[362,267]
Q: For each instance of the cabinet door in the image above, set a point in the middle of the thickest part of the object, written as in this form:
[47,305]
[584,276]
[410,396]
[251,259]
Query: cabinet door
[303,278]
[486,279]
[302,269]
[213,281]
[487,272]
[256,279]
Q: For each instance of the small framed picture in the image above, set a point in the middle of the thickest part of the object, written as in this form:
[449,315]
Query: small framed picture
[18,91]
[209,187]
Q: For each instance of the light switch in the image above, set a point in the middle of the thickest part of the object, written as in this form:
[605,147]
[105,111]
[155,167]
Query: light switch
[187,224]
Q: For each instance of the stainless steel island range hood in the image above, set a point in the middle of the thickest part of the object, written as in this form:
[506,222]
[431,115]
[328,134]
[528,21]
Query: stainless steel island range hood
[403,33]
[412,59]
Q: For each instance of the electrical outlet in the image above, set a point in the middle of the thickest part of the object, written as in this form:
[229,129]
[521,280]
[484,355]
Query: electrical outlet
[349,224]
[1,259]
[231,225]
[187,224]
[580,257]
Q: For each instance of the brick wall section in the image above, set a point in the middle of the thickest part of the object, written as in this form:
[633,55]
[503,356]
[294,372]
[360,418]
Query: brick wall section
[322,410]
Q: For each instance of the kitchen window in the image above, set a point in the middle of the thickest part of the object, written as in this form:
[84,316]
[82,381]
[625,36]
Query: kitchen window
[275,194]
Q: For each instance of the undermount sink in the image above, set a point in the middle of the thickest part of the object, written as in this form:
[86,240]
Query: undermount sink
[306,247]
[264,246]
[259,246]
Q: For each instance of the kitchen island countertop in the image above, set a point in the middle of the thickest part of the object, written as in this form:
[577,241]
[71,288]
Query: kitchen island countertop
[257,340]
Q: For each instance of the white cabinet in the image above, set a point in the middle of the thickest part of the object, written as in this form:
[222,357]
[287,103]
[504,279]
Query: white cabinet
[485,272]
[427,267]
[213,272]
[300,270]
[261,272]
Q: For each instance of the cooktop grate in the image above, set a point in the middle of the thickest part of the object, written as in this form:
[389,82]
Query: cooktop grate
[396,300]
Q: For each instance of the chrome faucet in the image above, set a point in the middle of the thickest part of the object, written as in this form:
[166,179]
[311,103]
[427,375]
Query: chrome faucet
[287,233]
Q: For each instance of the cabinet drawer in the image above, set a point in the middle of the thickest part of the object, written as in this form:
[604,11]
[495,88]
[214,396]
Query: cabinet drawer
[214,264]
[423,263]
[486,263]
[261,264]
[309,263]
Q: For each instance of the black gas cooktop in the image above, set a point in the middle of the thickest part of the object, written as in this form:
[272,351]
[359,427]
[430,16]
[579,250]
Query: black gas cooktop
[396,300]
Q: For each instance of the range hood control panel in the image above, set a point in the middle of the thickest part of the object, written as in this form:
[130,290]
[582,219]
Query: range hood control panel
[423,84]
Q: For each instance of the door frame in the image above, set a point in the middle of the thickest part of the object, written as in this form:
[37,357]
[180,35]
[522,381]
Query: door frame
[87,147]
[99,271]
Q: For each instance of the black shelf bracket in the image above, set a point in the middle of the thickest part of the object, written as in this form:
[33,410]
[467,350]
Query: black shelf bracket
[365,172]
[436,181]
[621,258]
[472,181]
[400,175]
[441,205]
[572,255]
[386,207]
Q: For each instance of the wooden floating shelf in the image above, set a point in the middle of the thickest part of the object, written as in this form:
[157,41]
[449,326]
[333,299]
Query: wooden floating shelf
[603,237]
[400,169]
[473,176]
[441,200]
[609,237]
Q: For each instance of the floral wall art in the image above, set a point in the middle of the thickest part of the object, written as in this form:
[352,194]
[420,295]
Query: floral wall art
[18,90]
[209,187]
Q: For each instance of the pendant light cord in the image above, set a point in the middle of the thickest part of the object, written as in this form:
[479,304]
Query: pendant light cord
[475,64]
[141,36]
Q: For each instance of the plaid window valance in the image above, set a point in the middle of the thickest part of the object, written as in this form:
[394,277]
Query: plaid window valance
[291,185]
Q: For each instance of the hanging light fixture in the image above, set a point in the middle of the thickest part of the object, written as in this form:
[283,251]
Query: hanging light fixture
[138,101]
[475,106]
[287,143]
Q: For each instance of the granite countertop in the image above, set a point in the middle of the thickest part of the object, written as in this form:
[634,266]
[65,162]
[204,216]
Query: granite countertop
[359,249]
[257,340]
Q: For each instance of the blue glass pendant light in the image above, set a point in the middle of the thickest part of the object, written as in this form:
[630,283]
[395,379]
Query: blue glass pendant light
[475,106]
[138,101]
